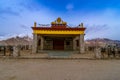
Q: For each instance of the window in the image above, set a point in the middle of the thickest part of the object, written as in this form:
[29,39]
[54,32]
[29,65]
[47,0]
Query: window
[77,43]
[68,43]
[39,42]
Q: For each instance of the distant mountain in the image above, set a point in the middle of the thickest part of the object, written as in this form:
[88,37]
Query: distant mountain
[5,37]
[25,40]
[102,42]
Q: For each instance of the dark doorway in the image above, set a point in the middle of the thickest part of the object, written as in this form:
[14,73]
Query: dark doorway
[58,44]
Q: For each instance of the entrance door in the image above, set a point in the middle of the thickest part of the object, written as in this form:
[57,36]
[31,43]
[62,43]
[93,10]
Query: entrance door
[58,44]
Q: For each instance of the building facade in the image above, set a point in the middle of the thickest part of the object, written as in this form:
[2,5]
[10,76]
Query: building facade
[58,36]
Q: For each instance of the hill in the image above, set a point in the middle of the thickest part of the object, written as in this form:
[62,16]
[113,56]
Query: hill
[102,42]
[26,40]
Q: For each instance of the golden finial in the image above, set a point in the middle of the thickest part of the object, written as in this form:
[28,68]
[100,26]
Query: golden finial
[59,20]
[64,23]
[53,22]
[81,25]
[35,24]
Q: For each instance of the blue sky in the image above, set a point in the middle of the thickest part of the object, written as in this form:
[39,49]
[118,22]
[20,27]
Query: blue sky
[100,17]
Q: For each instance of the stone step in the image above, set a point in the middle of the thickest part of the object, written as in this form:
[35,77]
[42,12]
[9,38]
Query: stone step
[60,54]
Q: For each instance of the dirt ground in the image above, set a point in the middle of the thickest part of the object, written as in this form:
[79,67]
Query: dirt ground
[43,69]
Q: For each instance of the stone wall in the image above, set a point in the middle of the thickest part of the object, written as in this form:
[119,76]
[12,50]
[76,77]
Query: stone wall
[75,46]
[34,43]
[16,51]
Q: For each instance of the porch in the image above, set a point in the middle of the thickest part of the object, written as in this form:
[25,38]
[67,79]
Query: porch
[58,43]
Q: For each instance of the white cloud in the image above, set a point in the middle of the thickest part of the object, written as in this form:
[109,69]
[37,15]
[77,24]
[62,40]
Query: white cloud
[11,23]
[95,22]
[69,6]
[27,15]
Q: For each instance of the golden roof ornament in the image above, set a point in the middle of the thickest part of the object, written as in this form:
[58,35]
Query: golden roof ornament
[81,25]
[64,23]
[53,22]
[35,24]
[59,21]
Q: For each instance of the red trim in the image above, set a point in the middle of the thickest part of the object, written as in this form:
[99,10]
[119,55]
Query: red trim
[58,26]
[61,28]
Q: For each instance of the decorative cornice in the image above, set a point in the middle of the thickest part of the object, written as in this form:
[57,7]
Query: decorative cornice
[49,28]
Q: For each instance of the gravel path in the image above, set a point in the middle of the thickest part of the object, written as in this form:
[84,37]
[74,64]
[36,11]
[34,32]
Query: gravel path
[43,69]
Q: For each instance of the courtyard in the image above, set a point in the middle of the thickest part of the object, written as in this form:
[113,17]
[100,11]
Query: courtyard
[59,69]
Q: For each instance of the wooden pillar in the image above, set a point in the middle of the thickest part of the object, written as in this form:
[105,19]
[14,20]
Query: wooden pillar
[34,44]
[81,43]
